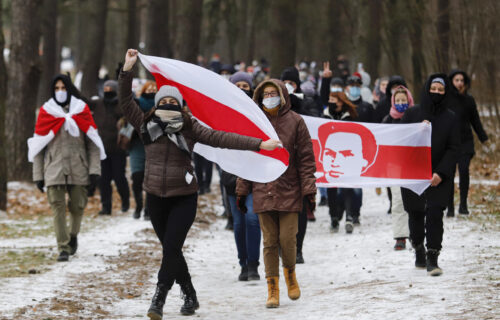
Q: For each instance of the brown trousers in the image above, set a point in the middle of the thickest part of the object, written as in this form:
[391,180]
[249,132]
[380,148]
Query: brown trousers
[279,230]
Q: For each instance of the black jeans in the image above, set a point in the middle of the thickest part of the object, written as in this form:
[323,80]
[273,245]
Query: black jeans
[340,199]
[203,169]
[463,173]
[301,234]
[137,181]
[427,225]
[113,169]
[172,218]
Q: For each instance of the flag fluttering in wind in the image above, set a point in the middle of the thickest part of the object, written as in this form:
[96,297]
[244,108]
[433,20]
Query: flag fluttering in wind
[220,105]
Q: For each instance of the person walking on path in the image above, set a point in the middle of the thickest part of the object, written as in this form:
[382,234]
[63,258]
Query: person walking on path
[278,203]
[169,134]
[66,152]
[108,115]
[400,102]
[465,109]
[426,211]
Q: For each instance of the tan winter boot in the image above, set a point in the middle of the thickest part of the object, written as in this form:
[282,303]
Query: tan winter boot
[273,292]
[291,283]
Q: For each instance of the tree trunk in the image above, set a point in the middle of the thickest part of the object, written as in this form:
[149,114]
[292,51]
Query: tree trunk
[415,17]
[393,35]
[334,29]
[21,93]
[373,42]
[283,31]
[3,92]
[50,57]
[189,23]
[94,49]
[443,36]
[157,36]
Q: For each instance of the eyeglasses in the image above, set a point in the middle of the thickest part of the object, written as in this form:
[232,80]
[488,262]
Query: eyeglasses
[270,94]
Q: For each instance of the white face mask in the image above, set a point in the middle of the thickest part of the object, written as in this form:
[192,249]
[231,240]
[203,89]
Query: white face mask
[271,103]
[290,88]
[336,89]
[61,96]
[167,115]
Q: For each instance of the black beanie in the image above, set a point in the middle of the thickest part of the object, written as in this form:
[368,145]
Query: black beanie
[292,74]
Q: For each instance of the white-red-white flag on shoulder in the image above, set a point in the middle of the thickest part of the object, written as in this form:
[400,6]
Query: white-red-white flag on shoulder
[220,105]
[353,154]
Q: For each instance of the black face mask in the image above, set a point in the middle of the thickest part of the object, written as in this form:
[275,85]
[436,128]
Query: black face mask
[168,106]
[332,107]
[248,92]
[436,98]
[148,96]
[110,95]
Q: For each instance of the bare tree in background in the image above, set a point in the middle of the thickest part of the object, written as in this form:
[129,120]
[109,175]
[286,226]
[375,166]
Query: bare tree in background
[50,57]
[97,11]
[3,92]
[394,31]
[283,27]
[374,40]
[21,94]
[443,36]
[415,13]
[157,35]
[189,29]
[334,14]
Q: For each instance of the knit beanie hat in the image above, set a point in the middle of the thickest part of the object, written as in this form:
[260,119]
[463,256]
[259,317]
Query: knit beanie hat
[291,74]
[439,80]
[112,84]
[241,76]
[168,91]
[337,82]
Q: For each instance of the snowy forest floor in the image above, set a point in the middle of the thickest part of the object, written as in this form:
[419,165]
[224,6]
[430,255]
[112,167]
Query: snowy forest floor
[357,276]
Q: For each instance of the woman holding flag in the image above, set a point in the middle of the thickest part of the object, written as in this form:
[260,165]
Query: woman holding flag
[169,134]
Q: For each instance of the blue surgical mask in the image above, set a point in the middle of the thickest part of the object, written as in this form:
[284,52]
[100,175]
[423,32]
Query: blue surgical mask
[335,89]
[354,93]
[401,107]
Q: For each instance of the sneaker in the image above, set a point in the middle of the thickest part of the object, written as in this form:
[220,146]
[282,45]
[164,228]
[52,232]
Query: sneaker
[349,227]
[63,256]
[400,244]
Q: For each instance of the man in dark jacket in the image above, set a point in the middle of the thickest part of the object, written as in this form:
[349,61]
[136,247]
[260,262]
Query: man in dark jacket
[301,103]
[465,109]
[426,211]
[108,114]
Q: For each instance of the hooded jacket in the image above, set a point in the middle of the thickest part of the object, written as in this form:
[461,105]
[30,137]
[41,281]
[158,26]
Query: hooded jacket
[444,142]
[384,106]
[285,194]
[465,109]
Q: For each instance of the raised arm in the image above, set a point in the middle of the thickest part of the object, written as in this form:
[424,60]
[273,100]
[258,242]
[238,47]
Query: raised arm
[131,110]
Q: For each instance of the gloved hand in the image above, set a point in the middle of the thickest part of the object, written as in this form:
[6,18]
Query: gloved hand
[94,179]
[40,184]
[311,199]
[241,203]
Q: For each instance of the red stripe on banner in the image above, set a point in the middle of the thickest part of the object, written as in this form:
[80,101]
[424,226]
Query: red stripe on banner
[46,122]
[401,162]
[220,117]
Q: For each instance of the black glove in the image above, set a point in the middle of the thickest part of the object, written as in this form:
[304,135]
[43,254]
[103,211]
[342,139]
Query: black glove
[94,179]
[241,204]
[311,199]
[40,184]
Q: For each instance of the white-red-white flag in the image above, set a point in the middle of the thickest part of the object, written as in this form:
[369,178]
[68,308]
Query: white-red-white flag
[220,105]
[353,154]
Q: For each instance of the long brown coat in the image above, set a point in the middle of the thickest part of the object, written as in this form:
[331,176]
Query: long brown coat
[168,170]
[285,193]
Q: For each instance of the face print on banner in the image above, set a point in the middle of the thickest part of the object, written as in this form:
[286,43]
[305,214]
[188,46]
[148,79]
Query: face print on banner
[346,150]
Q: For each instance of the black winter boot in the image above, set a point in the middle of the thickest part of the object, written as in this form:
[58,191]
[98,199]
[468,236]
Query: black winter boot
[190,301]
[463,209]
[420,259]
[432,263]
[63,256]
[137,212]
[155,311]
[300,258]
[73,244]
[253,273]
[244,274]
[229,225]
[334,227]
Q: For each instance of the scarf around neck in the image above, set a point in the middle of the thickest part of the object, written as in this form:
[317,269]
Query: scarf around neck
[156,128]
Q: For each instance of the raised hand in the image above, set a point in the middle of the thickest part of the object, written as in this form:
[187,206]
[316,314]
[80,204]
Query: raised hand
[327,73]
[130,59]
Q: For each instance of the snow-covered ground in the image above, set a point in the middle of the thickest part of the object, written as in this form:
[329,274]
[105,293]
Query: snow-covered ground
[357,276]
